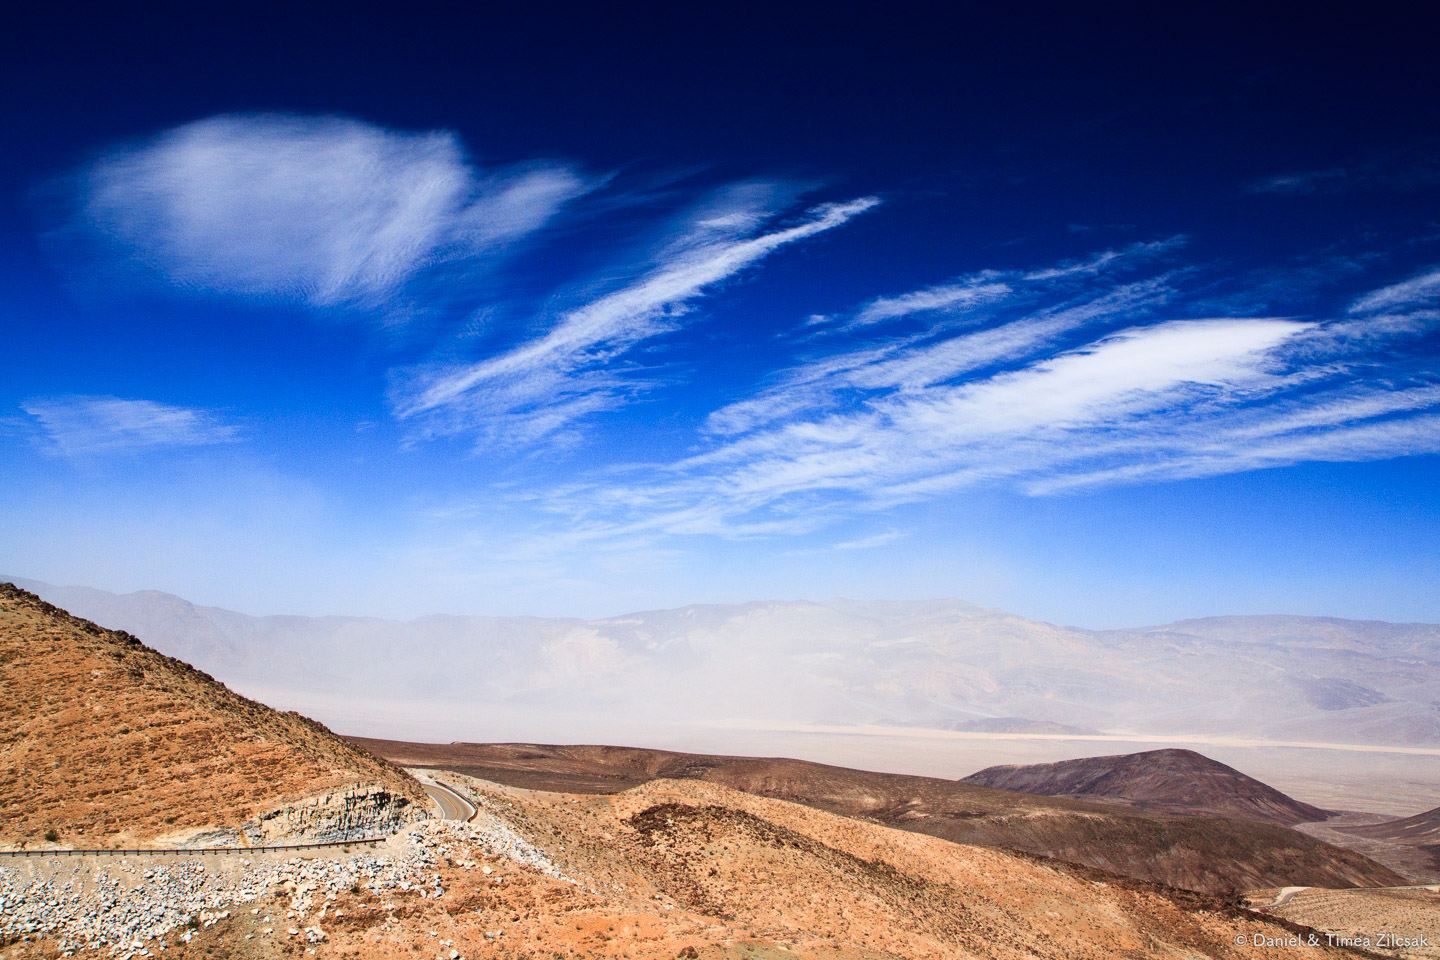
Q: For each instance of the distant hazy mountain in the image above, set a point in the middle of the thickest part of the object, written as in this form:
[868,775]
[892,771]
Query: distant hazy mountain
[939,664]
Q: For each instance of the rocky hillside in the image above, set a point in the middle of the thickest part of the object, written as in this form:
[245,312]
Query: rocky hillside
[670,869]
[105,742]
[1202,854]
[1174,781]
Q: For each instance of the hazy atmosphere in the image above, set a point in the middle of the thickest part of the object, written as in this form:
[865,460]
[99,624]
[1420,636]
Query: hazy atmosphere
[582,320]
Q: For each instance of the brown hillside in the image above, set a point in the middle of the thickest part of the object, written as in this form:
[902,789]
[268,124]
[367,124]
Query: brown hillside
[1421,833]
[770,873]
[1174,781]
[1209,855]
[107,742]
[696,870]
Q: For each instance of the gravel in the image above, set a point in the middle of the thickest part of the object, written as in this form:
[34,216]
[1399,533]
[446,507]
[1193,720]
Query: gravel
[124,905]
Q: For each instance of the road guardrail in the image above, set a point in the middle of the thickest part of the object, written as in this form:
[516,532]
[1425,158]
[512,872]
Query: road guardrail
[191,851]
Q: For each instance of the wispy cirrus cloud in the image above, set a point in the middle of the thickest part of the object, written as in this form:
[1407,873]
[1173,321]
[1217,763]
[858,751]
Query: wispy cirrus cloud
[327,211]
[964,294]
[982,288]
[1405,308]
[541,387]
[76,426]
[1097,389]
[872,541]
[1410,168]
[1422,291]
[1301,182]
[1014,322]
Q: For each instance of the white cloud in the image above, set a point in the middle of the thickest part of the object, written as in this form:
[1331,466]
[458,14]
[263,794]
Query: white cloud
[920,361]
[1301,182]
[1090,391]
[1009,425]
[970,292]
[870,542]
[1412,294]
[325,211]
[540,387]
[85,425]
[951,357]
[1105,259]
[993,286]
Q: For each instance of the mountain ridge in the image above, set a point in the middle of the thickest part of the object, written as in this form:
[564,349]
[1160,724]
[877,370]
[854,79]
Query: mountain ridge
[1213,856]
[937,665]
[107,741]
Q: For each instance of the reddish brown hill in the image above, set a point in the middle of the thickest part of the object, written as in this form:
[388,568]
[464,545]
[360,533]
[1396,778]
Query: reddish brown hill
[685,869]
[104,741]
[1173,781]
[1211,855]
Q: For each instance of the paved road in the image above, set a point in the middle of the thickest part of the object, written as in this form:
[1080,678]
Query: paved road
[452,805]
[1288,892]
[1285,894]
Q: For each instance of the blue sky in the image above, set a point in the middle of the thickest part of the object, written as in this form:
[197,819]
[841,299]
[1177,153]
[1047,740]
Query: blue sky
[1102,319]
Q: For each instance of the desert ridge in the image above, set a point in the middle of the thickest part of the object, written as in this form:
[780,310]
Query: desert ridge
[1209,854]
[109,743]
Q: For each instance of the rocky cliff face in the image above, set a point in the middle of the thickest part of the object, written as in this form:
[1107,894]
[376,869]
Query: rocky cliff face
[351,814]
[356,812]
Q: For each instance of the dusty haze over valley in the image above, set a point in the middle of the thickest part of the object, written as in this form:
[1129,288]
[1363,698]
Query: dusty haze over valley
[1345,712]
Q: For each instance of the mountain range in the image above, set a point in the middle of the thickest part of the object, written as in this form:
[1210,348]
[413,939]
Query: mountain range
[941,664]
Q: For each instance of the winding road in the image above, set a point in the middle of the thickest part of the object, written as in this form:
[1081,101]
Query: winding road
[452,805]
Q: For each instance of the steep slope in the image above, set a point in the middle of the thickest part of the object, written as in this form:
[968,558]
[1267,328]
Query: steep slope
[1423,829]
[104,741]
[1420,833]
[943,665]
[1173,781]
[1210,855]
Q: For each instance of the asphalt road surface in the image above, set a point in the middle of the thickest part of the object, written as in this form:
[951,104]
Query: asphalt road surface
[452,805]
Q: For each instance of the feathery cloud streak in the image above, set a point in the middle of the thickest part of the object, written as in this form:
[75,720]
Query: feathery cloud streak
[328,212]
[88,425]
[541,387]
[1092,390]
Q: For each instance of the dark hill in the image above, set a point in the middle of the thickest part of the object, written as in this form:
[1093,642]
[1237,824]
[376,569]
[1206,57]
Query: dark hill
[1172,781]
[1420,832]
[1207,855]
